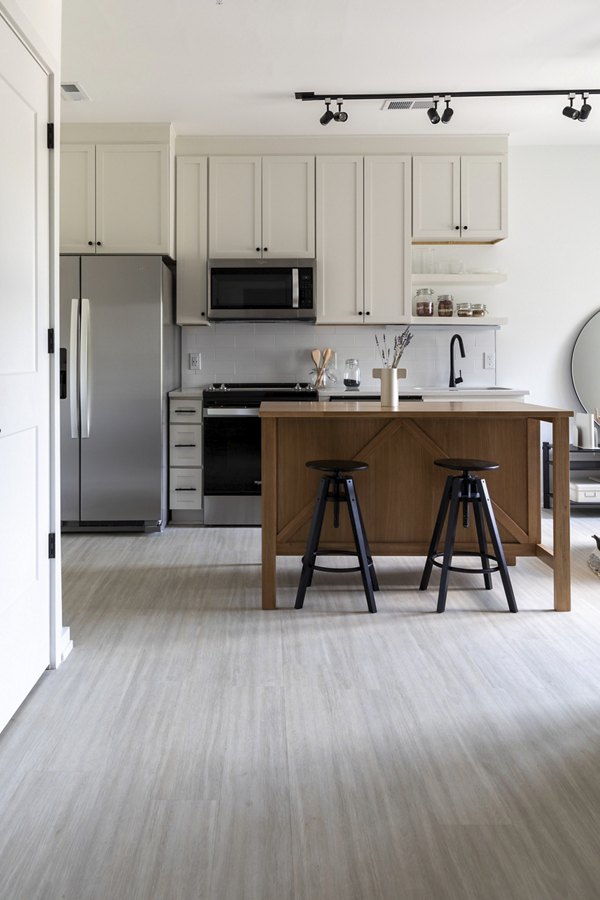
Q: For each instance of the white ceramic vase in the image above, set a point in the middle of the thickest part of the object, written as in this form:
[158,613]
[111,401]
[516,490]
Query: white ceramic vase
[389,385]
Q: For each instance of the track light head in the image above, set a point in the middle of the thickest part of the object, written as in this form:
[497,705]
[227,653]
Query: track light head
[448,112]
[327,115]
[569,111]
[585,109]
[433,113]
[340,116]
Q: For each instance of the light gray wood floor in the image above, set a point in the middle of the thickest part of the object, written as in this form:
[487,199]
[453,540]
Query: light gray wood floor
[194,746]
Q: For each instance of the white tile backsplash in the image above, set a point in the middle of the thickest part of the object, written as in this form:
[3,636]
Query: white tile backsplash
[281,352]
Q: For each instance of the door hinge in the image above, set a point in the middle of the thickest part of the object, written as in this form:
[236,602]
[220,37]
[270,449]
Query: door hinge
[52,545]
[51,340]
[50,135]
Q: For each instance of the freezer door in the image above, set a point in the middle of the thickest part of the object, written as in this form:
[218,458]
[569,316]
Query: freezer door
[69,405]
[121,396]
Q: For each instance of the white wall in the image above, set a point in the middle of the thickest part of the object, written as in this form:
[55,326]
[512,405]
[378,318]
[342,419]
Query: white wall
[552,258]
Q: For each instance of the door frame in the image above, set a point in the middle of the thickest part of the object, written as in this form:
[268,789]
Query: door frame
[59,638]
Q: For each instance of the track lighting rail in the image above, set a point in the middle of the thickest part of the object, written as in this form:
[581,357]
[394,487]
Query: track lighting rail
[569,111]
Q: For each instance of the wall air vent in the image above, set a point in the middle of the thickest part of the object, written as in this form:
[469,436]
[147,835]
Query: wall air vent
[407,104]
[72,91]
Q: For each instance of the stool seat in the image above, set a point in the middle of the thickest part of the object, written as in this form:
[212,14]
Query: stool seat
[467,465]
[337,488]
[469,491]
[336,466]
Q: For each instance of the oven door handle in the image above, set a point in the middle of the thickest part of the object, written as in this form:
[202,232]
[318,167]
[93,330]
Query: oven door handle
[232,412]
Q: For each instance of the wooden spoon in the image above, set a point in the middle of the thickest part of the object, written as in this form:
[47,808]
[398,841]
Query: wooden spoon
[327,354]
[316,358]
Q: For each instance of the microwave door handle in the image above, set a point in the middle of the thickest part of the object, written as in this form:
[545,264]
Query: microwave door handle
[295,289]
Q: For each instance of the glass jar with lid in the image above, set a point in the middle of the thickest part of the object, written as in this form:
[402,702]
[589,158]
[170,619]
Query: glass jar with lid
[424,302]
[479,309]
[352,375]
[464,309]
[445,305]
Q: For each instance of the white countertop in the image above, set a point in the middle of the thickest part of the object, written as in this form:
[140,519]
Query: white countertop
[434,393]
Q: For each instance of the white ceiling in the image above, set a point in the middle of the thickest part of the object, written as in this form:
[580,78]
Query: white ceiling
[232,67]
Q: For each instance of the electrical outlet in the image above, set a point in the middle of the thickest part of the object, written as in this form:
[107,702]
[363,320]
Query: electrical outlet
[195,361]
[489,360]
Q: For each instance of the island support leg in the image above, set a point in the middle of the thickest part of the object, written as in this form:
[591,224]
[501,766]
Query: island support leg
[269,513]
[561,515]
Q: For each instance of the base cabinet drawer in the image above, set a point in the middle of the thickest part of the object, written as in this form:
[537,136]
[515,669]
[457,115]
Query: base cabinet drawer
[185,488]
[185,445]
[181,411]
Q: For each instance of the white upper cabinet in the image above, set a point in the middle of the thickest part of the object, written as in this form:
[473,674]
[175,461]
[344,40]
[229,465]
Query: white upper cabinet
[459,198]
[115,198]
[363,239]
[192,240]
[261,207]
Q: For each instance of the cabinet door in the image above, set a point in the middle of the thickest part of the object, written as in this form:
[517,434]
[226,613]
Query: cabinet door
[234,207]
[192,240]
[132,198]
[288,206]
[339,231]
[436,198]
[77,198]
[387,238]
[483,198]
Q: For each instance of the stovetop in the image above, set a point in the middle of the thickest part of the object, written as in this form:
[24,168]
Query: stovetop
[259,385]
[234,393]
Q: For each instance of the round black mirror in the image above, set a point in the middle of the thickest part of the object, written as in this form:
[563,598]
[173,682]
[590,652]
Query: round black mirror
[585,364]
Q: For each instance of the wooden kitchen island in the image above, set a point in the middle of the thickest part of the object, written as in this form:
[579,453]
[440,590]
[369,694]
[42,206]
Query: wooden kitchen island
[400,492]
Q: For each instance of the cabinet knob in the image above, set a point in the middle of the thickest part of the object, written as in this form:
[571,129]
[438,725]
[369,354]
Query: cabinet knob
[99,243]
[465,227]
[258,249]
[90,243]
[202,314]
[368,313]
[265,249]
[457,227]
[360,312]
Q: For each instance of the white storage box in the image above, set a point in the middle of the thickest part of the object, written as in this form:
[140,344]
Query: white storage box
[585,490]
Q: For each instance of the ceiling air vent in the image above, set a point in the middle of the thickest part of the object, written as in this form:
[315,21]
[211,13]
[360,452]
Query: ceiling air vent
[70,90]
[407,104]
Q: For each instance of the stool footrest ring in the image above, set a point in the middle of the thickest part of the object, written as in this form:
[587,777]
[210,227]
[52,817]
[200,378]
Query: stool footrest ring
[487,571]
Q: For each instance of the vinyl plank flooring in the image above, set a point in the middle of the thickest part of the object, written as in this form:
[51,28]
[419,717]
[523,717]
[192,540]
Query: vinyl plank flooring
[195,746]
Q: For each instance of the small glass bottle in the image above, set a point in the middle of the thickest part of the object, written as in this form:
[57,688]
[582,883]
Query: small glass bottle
[352,375]
[445,305]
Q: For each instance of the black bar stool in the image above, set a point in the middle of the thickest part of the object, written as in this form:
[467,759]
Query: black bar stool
[338,487]
[466,489]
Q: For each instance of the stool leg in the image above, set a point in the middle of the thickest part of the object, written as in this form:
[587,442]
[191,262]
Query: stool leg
[477,513]
[437,532]
[455,497]
[497,545]
[360,542]
[308,560]
[374,580]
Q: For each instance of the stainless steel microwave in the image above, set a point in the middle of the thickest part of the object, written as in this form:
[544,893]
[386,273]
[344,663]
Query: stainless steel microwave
[261,290]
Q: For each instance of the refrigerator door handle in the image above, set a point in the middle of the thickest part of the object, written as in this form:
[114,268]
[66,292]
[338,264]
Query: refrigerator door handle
[85,368]
[73,368]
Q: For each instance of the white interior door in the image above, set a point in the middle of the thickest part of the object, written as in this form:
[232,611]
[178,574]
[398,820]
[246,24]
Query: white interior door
[24,374]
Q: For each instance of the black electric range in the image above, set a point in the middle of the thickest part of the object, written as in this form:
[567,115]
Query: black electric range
[231,441]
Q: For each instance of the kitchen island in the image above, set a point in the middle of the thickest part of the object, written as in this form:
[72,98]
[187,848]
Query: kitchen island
[401,490]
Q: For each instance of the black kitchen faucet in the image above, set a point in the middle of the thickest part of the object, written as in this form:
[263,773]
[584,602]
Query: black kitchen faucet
[454,380]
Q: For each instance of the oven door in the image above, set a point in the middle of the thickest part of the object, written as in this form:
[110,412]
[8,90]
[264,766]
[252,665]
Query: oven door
[231,466]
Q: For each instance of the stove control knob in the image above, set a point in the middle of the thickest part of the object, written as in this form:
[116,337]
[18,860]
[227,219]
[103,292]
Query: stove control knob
[223,387]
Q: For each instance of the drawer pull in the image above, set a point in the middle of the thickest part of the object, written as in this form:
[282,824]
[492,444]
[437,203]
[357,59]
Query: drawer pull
[185,445]
[186,489]
[187,412]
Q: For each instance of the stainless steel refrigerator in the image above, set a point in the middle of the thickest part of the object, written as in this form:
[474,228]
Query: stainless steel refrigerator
[119,351]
